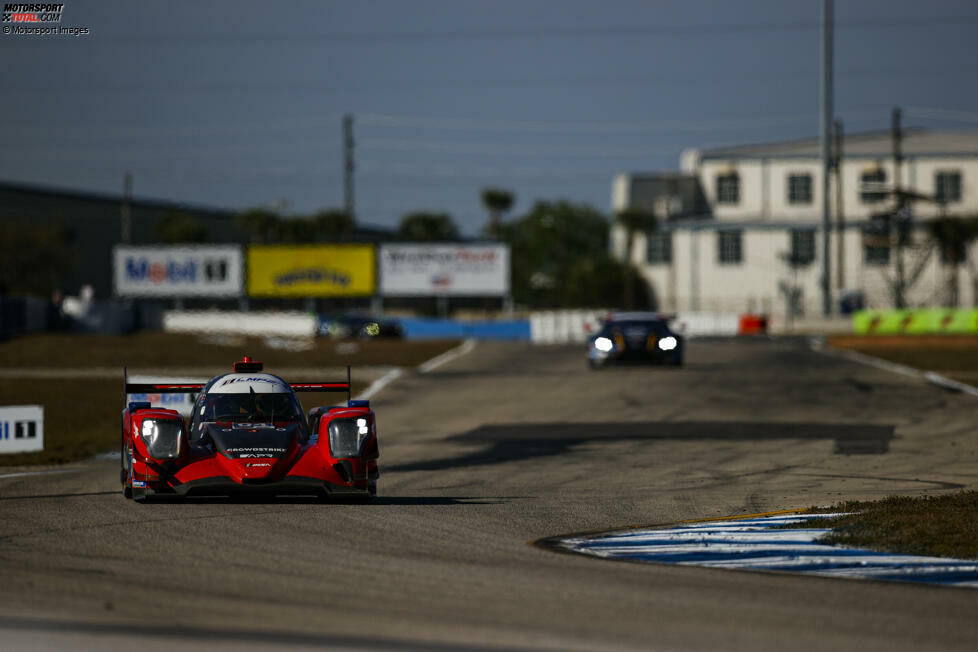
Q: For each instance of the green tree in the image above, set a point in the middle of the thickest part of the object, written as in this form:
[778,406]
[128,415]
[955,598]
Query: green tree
[497,202]
[34,259]
[590,282]
[334,225]
[428,227]
[179,227]
[632,220]
[261,224]
[560,257]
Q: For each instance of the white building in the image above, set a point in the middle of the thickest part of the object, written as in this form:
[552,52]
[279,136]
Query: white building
[739,228]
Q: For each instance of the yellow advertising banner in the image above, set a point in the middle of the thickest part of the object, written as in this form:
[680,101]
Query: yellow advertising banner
[311,270]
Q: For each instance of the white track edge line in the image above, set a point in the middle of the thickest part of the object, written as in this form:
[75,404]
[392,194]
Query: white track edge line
[425,367]
[447,356]
[380,383]
[23,474]
[931,377]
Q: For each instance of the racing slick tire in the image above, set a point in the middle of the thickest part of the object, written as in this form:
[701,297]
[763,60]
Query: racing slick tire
[124,473]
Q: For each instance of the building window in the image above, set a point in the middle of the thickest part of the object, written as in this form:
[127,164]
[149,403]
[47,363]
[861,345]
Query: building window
[799,189]
[876,241]
[947,186]
[802,247]
[729,248]
[659,248]
[728,188]
[871,188]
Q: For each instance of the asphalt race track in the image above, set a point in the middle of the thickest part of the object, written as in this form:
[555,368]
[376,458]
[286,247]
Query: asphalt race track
[501,447]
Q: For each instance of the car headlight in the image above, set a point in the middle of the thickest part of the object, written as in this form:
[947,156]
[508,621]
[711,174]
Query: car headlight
[603,344]
[668,343]
[162,438]
[346,436]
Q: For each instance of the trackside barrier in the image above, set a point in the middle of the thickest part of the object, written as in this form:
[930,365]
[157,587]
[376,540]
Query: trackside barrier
[752,325]
[514,329]
[707,324]
[915,322]
[288,324]
[576,326]
[564,326]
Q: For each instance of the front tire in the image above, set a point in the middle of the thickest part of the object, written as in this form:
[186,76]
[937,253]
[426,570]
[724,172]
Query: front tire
[125,472]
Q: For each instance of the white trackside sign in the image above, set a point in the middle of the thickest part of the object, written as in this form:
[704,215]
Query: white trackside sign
[21,428]
[444,269]
[179,271]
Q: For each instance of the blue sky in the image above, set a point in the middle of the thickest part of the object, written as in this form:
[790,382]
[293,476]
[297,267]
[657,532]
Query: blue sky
[239,104]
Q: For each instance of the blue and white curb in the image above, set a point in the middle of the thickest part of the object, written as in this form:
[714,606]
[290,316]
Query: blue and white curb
[755,544]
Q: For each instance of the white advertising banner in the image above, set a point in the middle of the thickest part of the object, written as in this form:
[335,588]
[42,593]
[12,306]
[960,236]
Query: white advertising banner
[444,269]
[178,271]
[21,428]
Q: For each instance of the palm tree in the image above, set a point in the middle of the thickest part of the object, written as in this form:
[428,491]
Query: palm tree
[633,220]
[431,227]
[497,202]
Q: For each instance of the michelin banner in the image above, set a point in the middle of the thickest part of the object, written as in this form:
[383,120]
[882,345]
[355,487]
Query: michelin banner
[311,271]
[448,270]
[187,271]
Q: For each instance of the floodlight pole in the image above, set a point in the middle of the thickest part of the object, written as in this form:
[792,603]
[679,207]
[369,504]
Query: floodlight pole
[826,136]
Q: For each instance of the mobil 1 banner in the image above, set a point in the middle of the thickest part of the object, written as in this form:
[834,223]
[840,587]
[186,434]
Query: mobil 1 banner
[188,271]
[444,269]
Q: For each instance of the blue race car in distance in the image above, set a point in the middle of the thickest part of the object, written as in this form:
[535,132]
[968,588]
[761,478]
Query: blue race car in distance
[635,337]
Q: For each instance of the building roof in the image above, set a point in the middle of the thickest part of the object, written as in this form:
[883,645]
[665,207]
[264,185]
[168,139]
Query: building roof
[916,142]
[38,190]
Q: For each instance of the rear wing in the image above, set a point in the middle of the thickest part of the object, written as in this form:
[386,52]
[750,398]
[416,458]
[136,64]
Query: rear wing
[196,388]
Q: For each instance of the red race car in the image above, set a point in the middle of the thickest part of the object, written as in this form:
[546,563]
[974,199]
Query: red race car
[247,434]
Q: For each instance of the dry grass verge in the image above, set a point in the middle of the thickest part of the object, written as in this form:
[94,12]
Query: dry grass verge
[955,356]
[159,350]
[81,415]
[940,526]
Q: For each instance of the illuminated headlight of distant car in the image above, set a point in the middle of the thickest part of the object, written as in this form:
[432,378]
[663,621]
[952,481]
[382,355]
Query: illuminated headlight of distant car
[346,436]
[603,344]
[162,438]
[668,343]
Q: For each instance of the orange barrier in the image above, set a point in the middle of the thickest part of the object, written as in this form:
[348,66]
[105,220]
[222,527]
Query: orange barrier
[752,324]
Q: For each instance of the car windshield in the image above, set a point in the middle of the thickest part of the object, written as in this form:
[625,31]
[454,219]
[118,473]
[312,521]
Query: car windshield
[251,407]
[656,326]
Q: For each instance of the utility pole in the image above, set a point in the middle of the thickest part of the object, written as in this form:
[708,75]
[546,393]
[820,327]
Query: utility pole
[826,133]
[900,218]
[348,166]
[840,220]
[126,210]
